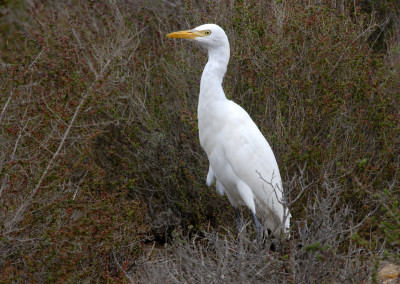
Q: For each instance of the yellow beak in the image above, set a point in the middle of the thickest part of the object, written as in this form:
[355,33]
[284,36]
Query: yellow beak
[189,34]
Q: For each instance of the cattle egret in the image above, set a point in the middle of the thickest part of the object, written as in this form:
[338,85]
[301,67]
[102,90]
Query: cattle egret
[241,161]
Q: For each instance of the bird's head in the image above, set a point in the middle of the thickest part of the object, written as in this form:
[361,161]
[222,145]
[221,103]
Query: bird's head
[208,35]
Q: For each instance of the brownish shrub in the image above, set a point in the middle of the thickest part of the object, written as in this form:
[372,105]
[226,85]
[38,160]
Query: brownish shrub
[99,147]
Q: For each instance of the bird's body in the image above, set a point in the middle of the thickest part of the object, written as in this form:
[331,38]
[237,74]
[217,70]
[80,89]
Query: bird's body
[241,160]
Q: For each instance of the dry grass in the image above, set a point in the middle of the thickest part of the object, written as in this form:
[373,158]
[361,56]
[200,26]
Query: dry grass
[318,251]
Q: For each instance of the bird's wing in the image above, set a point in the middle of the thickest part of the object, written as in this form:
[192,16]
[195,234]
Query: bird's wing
[252,159]
[238,150]
[246,145]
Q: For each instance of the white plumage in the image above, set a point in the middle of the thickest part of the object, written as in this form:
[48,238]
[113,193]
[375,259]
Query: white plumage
[241,160]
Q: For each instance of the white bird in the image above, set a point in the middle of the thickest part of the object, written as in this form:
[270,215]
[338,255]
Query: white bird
[241,160]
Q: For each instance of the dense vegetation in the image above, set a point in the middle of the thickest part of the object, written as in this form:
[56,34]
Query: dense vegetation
[100,152]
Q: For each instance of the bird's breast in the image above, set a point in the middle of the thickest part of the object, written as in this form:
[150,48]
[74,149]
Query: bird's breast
[211,126]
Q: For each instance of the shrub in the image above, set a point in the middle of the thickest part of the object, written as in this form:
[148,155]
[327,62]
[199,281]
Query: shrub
[100,151]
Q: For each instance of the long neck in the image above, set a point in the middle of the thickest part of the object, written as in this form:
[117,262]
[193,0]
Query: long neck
[213,74]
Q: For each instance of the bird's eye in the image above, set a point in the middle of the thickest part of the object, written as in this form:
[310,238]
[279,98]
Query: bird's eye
[207,33]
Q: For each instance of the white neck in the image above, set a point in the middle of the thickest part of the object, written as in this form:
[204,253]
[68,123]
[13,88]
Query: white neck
[213,74]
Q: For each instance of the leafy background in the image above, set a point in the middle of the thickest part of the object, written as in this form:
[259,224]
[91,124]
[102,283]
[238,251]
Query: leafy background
[99,142]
